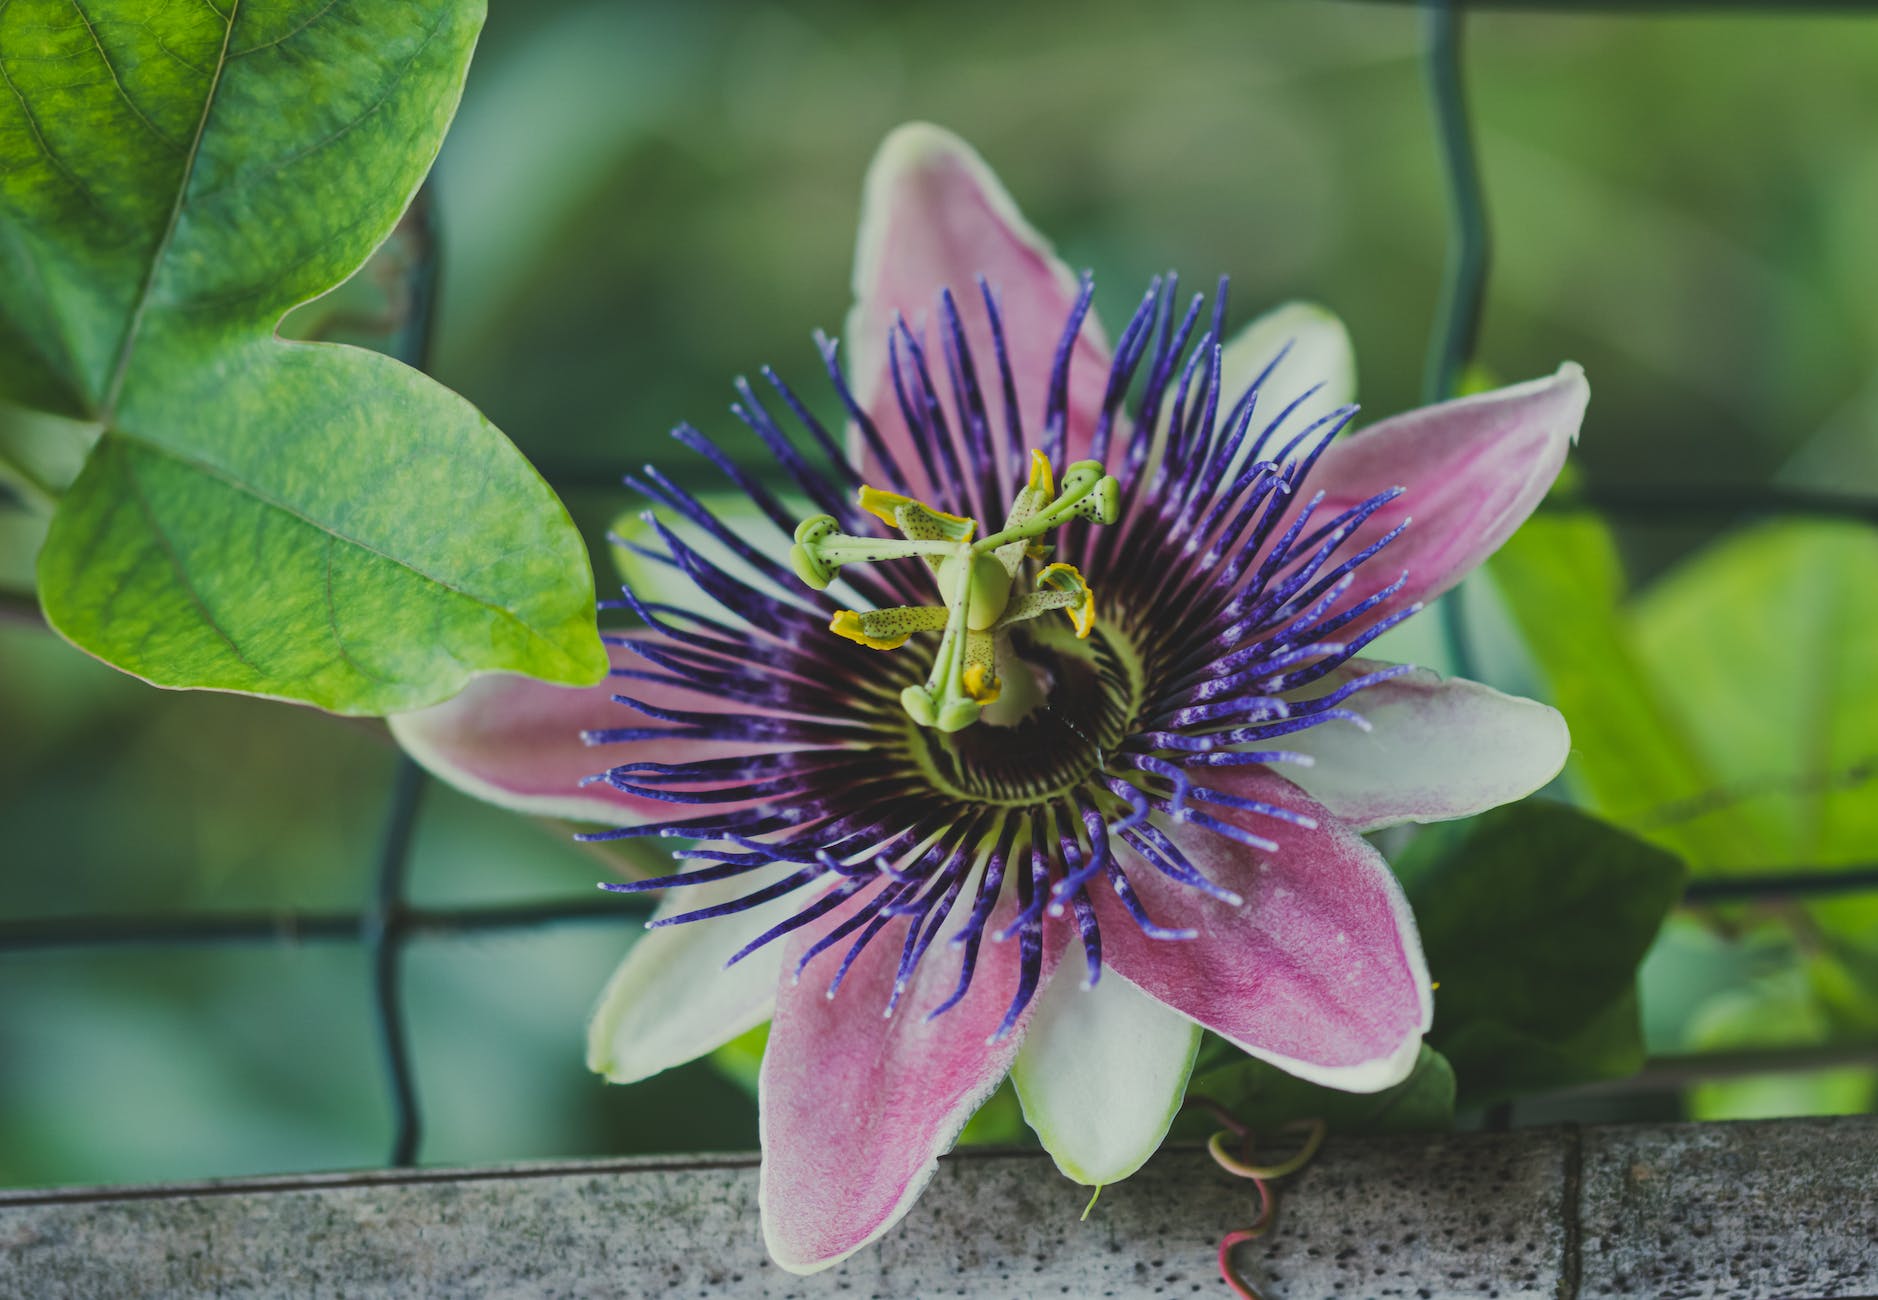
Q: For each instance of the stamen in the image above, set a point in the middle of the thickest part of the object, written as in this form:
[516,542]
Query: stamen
[886,629]
[974,580]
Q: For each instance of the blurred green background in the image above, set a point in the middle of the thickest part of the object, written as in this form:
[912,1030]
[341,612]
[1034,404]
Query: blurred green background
[639,202]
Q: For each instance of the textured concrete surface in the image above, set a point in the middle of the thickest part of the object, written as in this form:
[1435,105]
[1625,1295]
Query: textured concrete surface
[1731,1210]
[1778,1209]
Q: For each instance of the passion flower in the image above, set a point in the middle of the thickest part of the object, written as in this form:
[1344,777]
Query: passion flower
[1034,734]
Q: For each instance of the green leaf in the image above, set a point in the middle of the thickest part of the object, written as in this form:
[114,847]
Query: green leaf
[1501,1060]
[741,1059]
[312,522]
[1842,1090]
[1763,646]
[1632,760]
[1534,919]
[1265,1097]
[1728,712]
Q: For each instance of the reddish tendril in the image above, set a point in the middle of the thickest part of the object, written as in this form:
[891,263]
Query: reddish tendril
[1261,1176]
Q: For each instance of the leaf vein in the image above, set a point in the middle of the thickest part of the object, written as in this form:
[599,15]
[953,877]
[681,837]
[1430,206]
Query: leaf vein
[332,623]
[59,331]
[39,137]
[320,13]
[299,155]
[104,55]
[135,322]
[182,571]
[228,479]
[260,287]
[161,44]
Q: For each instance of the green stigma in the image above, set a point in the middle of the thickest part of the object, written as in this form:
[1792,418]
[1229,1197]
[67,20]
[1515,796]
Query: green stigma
[976,581]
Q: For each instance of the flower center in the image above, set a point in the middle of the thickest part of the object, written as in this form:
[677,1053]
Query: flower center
[1087,694]
[974,580]
[1227,593]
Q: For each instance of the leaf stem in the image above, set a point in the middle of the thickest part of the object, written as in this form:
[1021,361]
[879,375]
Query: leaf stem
[30,487]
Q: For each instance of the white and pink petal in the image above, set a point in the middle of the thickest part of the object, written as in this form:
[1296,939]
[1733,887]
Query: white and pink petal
[673,998]
[1101,1074]
[1296,346]
[1437,748]
[521,743]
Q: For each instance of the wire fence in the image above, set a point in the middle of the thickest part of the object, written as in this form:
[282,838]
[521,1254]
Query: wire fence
[392,921]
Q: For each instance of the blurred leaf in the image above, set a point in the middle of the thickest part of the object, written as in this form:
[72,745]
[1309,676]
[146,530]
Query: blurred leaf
[1851,1090]
[1845,985]
[1729,713]
[1778,1010]
[309,522]
[522,159]
[1690,960]
[1500,1060]
[40,454]
[1763,646]
[1265,1097]
[1534,919]
[999,1122]
[1562,582]
[741,1059]
[22,533]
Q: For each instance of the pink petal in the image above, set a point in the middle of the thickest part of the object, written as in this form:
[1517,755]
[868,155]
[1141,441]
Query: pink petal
[1319,972]
[1438,748]
[933,216]
[1474,469]
[516,742]
[858,1107]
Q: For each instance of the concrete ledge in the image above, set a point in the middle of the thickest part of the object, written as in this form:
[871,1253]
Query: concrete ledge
[1767,1209]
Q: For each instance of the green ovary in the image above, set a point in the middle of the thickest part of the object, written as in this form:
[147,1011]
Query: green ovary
[990,589]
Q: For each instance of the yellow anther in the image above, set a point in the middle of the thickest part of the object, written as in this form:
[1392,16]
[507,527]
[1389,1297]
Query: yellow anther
[981,685]
[1067,578]
[848,623]
[1041,479]
[886,629]
[915,519]
[881,504]
[979,675]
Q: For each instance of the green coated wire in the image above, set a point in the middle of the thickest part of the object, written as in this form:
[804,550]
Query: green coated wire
[1464,280]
